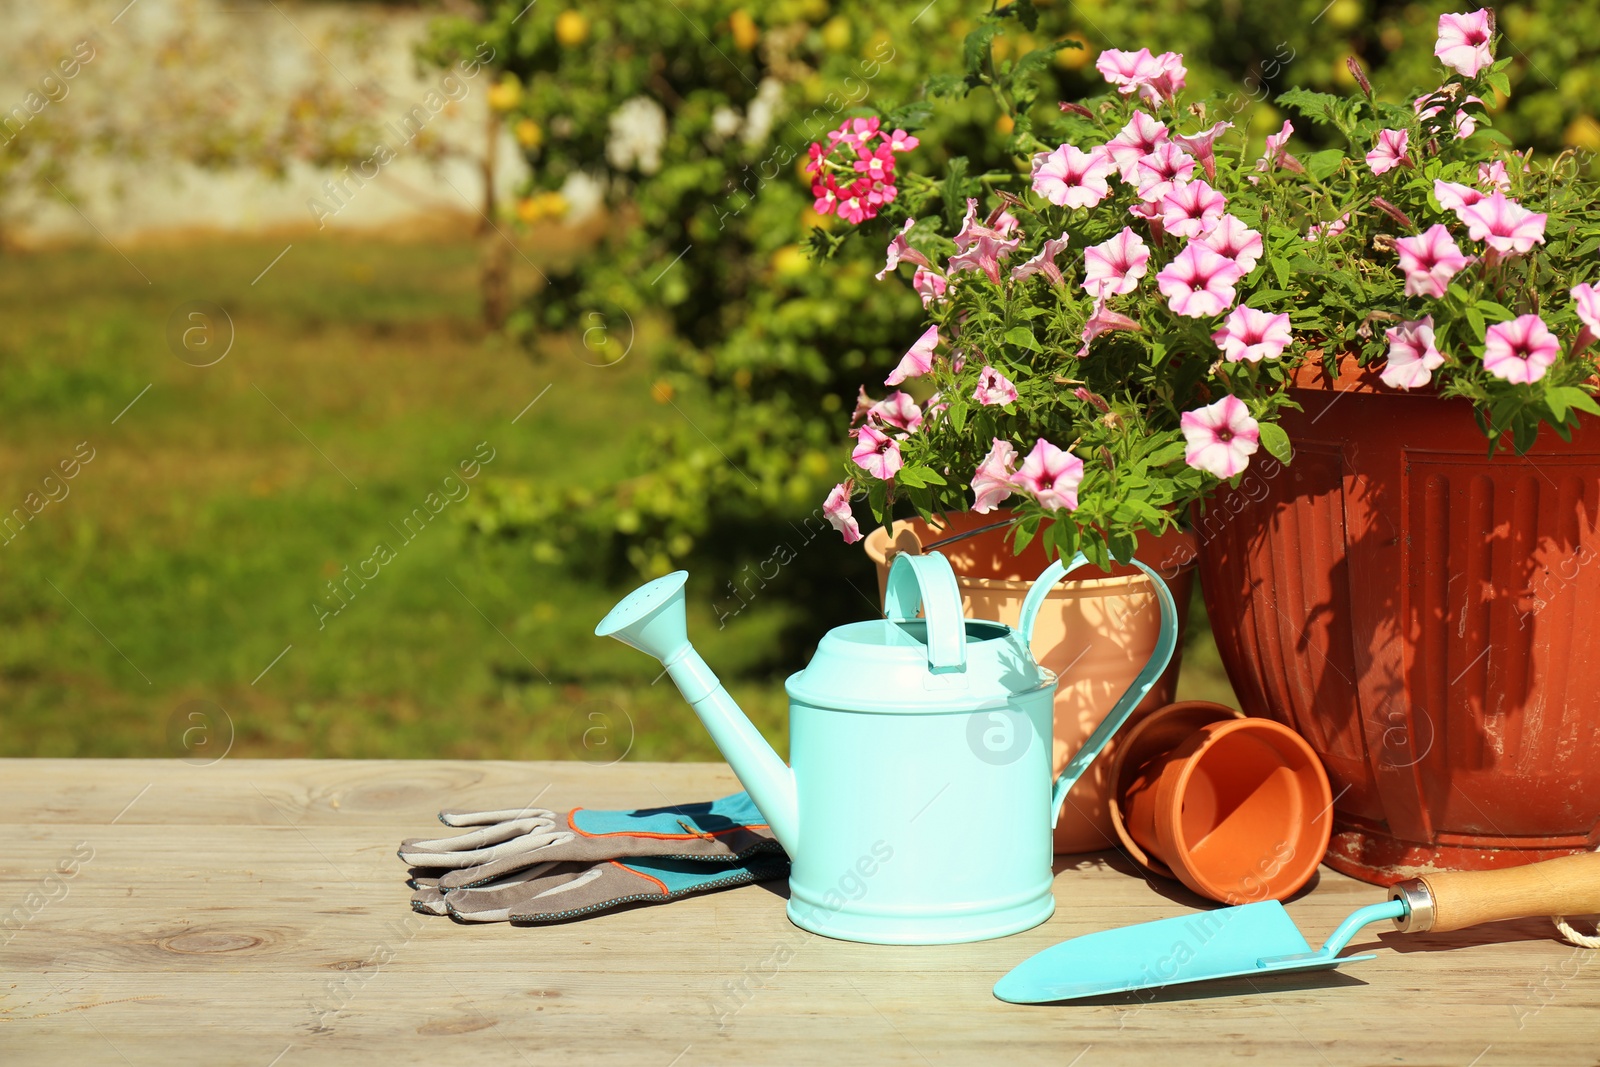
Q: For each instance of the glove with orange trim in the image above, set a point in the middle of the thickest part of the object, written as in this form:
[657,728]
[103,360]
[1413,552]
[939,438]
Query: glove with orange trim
[534,865]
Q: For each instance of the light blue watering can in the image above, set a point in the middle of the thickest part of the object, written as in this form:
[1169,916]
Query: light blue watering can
[919,807]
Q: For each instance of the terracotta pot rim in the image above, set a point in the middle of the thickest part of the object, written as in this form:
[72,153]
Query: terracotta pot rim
[875,542]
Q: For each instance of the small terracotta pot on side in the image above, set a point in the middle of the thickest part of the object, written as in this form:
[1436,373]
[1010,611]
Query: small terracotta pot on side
[1235,808]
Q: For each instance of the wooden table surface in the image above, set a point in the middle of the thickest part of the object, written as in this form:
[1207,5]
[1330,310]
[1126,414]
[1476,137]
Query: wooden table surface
[254,912]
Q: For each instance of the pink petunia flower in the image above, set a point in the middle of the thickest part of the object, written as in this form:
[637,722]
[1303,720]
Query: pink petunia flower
[1453,196]
[1520,351]
[901,252]
[994,388]
[1587,300]
[1494,175]
[837,510]
[1070,178]
[1503,224]
[1044,262]
[1463,43]
[1141,136]
[981,245]
[877,453]
[1248,334]
[1413,356]
[929,285]
[1429,261]
[918,359]
[1430,104]
[1114,267]
[897,410]
[1319,230]
[1199,282]
[1155,173]
[1390,151]
[1221,437]
[1233,239]
[991,482]
[1202,146]
[1127,70]
[1051,475]
[901,141]
[1103,320]
[1276,154]
[1168,80]
[1189,209]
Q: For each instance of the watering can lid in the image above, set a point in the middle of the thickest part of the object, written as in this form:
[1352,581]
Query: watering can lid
[940,662]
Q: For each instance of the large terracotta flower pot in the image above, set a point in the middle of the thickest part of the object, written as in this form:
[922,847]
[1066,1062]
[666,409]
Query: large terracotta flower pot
[1094,633]
[1421,613]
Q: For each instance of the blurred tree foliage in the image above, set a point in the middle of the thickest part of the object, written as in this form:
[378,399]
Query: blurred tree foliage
[689,122]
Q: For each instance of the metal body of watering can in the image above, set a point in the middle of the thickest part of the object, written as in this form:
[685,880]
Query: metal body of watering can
[919,805]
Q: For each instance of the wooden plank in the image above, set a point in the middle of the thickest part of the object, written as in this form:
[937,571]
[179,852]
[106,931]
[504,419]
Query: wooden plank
[255,909]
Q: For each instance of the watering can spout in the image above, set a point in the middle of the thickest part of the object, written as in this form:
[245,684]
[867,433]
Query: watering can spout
[652,619]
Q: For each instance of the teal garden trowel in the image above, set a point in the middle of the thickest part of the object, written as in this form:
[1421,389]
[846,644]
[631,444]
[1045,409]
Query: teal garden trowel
[1260,938]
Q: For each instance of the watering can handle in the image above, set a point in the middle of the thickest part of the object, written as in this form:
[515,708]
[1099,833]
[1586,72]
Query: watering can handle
[1165,644]
[926,581]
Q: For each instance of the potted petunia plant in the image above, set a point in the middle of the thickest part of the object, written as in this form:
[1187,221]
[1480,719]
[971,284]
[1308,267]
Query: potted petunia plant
[1151,315]
[1114,326]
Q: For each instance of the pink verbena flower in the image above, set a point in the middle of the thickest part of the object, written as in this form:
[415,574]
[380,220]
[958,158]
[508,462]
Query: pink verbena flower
[1319,230]
[1199,282]
[1463,43]
[877,164]
[1189,209]
[877,453]
[1453,196]
[1051,475]
[901,141]
[826,194]
[1221,437]
[1114,267]
[1520,351]
[1429,261]
[1390,151]
[837,510]
[1044,262]
[1503,224]
[1141,136]
[1234,240]
[897,411]
[1413,357]
[854,209]
[918,359]
[991,482]
[1155,173]
[1202,146]
[901,252]
[929,285]
[1103,320]
[1070,178]
[994,388]
[1248,334]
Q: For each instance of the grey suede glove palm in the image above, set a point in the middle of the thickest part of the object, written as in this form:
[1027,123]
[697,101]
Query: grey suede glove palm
[535,865]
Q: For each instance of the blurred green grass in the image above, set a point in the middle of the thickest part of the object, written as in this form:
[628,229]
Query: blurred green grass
[188,553]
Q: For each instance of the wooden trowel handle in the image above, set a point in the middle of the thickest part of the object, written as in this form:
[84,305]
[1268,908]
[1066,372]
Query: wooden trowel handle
[1566,886]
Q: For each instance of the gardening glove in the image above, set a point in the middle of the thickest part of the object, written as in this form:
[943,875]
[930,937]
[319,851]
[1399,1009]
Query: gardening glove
[541,865]
[552,892]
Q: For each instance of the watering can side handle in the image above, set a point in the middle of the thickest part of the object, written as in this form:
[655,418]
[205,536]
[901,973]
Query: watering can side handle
[926,581]
[1166,643]
[1040,590]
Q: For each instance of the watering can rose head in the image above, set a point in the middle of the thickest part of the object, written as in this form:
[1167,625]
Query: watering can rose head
[1111,333]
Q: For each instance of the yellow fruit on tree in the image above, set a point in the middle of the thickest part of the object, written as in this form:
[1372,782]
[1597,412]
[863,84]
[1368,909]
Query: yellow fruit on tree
[836,33]
[1005,124]
[1074,58]
[662,392]
[553,204]
[1583,132]
[790,261]
[1343,14]
[529,209]
[529,134]
[572,29]
[746,35]
[506,93]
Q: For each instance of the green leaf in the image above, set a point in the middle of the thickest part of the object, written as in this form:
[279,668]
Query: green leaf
[1025,13]
[1318,107]
[917,476]
[1171,452]
[1496,312]
[954,192]
[1276,441]
[1324,163]
[975,50]
[1475,320]
[1023,337]
[1571,397]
